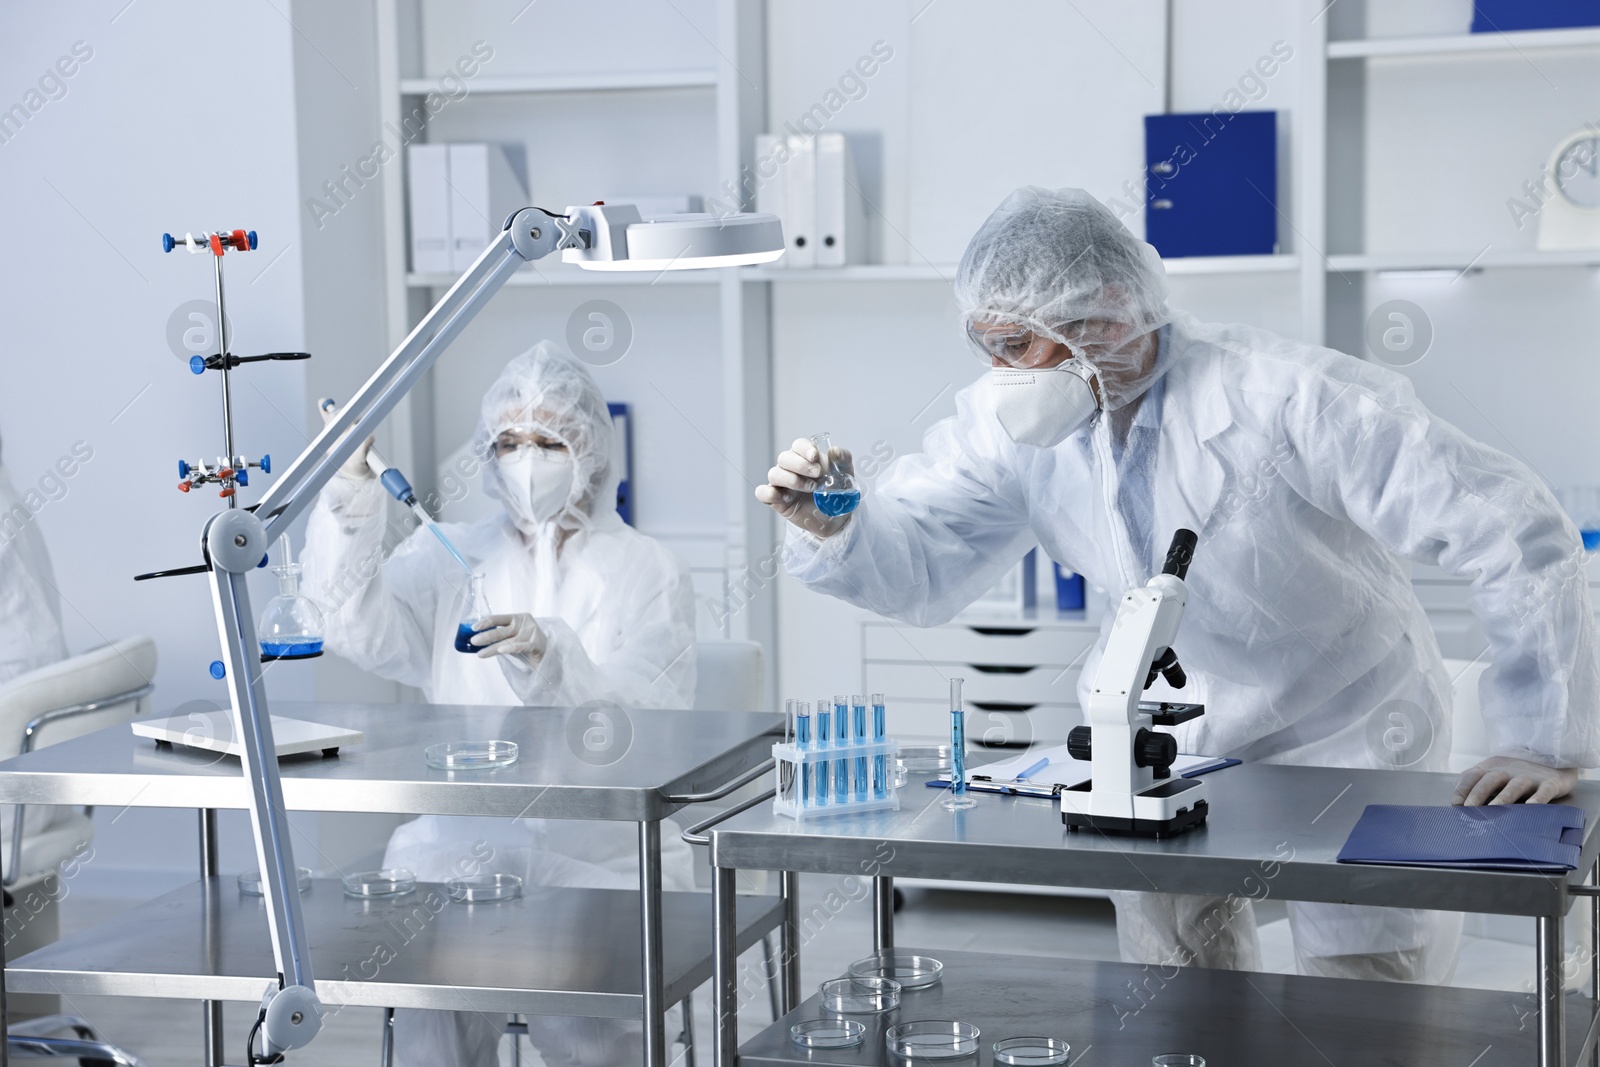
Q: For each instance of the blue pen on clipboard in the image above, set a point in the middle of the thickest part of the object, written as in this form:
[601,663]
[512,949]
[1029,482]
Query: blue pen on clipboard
[1031,771]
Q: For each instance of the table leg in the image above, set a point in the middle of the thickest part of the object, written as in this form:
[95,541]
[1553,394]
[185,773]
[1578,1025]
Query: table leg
[5,1017]
[654,988]
[1594,948]
[882,912]
[725,969]
[1550,949]
[789,939]
[210,1010]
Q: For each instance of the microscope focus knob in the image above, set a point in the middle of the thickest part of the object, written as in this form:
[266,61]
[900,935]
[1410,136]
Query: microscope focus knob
[1078,743]
[1154,749]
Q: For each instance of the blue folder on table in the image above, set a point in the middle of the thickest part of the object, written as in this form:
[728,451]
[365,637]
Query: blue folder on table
[1507,837]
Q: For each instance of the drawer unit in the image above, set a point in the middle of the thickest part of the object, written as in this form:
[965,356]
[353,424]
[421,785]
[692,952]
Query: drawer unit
[999,643]
[1021,676]
[1019,687]
[929,720]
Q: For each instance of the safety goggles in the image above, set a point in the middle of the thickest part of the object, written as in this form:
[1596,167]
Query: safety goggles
[1015,346]
[518,440]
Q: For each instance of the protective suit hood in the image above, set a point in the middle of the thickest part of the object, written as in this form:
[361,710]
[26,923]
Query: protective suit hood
[1058,263]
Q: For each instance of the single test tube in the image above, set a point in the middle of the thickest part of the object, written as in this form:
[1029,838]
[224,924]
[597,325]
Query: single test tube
[858,727]
[824,740]
[958,797]
[785,769]
[880,763]
[841,739]
[802,741]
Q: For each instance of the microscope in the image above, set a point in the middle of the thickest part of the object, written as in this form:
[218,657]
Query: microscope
[1132,790]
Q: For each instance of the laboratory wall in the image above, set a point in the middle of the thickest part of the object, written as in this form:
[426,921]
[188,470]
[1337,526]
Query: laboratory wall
[177,116]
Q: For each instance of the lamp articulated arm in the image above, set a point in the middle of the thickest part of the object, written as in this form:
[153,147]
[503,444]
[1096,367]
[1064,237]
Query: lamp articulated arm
[236,541]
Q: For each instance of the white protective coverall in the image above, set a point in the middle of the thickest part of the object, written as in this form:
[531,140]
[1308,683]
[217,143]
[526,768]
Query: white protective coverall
[30,623]
[30,607]
[617,613]
[1311,479]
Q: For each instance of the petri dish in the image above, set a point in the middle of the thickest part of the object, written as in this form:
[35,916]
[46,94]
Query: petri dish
[250,881]
[389,882]
[1031,1051]
[932,1039]
[828,1033]
[921,762]
[484,889]
[856,996]
[909,969]
[1179,1059]
[471,755]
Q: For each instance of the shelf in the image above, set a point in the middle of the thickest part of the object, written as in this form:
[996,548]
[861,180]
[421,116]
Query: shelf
[554,951]
[618,81]
[561,275]
[1462,260]
[946,272]
[1464,43]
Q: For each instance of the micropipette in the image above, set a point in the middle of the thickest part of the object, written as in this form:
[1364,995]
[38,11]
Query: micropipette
[395,482]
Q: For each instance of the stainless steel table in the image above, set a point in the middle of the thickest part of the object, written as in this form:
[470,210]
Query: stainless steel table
[640,768]
[1273,831]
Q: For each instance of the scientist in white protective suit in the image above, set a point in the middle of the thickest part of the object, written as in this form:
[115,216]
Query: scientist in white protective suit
[1107,422]
[588,610]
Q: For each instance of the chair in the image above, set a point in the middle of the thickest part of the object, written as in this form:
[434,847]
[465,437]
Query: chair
[76,696]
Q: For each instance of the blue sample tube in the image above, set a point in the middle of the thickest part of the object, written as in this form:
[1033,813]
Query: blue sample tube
[841,739]
[858,726]
[958,797]
[880,763]
[824,740]
[802,741]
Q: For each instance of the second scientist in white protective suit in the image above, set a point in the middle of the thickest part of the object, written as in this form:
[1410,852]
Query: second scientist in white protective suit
[1312,478]
[592,611]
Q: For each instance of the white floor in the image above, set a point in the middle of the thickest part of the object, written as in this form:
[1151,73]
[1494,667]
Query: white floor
[168,1032]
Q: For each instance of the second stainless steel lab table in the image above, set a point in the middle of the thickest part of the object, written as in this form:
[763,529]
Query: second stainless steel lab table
[1273,831]
[637,767]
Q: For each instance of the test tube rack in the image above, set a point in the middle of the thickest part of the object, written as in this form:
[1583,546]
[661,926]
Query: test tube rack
[799,770]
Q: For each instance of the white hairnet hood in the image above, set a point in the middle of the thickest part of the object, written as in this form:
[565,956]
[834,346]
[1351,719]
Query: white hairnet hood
[552,392]
[1057,262]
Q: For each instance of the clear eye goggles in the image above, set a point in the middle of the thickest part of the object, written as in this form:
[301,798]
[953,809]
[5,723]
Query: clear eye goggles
[1015,346]
[514,441]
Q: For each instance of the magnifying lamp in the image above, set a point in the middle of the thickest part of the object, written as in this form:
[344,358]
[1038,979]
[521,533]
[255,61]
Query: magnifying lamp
[596,237]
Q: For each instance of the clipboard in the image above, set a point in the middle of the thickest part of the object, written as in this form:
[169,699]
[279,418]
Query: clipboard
[1063,772]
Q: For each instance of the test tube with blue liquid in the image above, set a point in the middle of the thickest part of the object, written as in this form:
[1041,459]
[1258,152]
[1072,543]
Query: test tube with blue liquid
[836,492]
[802,741]
[880,763]
[858,725]
[841,739]
[958,798]
[824,740]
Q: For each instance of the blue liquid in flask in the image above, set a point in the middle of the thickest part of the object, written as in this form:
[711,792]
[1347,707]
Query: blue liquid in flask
[464,634]
[836,493]
[834,504]
[289,650]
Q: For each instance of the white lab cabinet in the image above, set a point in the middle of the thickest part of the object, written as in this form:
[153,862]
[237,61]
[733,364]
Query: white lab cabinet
[1020,670]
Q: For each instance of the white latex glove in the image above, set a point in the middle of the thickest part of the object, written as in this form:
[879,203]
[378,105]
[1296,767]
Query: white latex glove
[1507,780]
[356,466]
[510,635]
[791,483]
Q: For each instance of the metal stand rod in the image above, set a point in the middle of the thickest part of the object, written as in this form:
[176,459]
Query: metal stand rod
[5,1015]
[210,1010]
[655,1025]
[1550,948]
[386,1052]
[883,912]
[227,387]
[789,939]
[724,969]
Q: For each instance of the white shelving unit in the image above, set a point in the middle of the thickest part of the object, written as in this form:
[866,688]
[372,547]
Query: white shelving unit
[733,96]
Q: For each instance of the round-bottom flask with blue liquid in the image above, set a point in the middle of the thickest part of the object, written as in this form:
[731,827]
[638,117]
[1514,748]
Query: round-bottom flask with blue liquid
[836,493]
